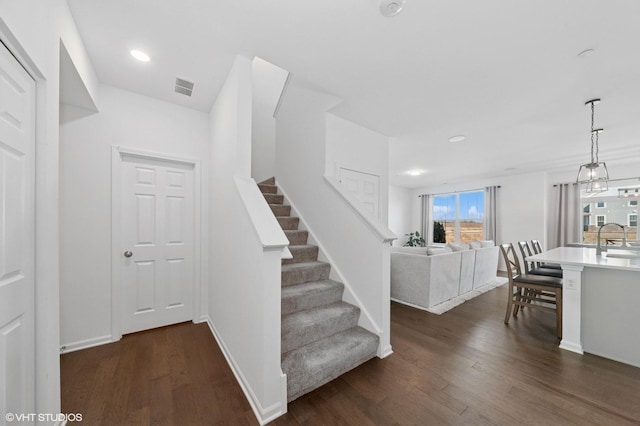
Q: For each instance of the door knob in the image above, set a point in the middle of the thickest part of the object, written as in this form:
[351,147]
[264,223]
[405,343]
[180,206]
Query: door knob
[128,253]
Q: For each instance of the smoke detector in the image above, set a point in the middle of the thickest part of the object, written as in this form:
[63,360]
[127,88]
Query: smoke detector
[391,8]
[184,87]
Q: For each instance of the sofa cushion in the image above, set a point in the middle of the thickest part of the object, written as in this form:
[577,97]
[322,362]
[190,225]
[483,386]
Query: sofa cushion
[458,247]
[487,243]
[438,250]
[413,250]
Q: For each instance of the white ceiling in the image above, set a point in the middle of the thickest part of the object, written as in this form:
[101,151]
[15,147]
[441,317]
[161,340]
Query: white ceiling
[504,73]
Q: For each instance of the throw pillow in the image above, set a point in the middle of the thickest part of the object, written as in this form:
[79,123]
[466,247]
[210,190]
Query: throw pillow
[458,247]
[487,243]
[475,244]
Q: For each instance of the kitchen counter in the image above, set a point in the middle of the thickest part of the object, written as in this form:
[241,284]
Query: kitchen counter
[600,295]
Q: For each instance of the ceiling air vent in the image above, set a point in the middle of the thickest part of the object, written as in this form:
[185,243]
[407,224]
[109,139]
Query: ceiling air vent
[183,86]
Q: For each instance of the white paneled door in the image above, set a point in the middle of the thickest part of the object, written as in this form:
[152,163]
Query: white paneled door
[364,187]
[17,252]
[157,243]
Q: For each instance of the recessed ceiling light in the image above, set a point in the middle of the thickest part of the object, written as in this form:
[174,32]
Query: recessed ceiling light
[140,55]
[391,8]
[585,53]
[415,172]
[457,138]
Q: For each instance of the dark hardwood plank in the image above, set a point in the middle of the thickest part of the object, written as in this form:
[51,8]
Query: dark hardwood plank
[463,367]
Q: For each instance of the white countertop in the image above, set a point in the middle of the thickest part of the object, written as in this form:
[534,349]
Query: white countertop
[585,257]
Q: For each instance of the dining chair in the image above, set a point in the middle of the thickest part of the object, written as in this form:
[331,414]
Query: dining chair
[536,268]
[533,291]
[537,249]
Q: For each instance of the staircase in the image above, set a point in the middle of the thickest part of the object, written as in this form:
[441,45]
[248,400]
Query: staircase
[320,336]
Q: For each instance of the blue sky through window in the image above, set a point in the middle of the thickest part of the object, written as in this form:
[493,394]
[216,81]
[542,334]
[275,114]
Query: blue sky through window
[471,206]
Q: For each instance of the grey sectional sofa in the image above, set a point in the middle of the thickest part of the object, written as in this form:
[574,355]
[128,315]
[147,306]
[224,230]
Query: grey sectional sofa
[425,280]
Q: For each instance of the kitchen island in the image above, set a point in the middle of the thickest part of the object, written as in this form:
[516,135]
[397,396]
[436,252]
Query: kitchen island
[600,301]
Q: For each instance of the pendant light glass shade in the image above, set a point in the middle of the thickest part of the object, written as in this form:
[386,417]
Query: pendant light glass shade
[594,175]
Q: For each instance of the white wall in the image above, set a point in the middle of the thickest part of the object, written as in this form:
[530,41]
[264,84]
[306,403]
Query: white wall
[354,147]
[33,30]
[244,291]
[127,120]
[268,83]
[400,214]
[355,251]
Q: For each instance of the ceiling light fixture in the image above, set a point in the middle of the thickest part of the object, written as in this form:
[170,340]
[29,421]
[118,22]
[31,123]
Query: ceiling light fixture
[140,55]
[390,8]
[415,172]
[628,192]
[457,138]
[594,174]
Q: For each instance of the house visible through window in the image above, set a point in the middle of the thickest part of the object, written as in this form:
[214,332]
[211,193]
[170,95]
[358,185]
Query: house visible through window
[461,215]
[607,207]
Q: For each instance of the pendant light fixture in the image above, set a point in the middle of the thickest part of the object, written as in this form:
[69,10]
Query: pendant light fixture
[594,174]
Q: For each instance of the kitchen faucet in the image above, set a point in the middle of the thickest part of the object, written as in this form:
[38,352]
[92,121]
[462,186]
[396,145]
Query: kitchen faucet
[599,248]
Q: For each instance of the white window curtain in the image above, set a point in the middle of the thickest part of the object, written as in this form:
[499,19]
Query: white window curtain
[565,226]
[491,213]
[425,217]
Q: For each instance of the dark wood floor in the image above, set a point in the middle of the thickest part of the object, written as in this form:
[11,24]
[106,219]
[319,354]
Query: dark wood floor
[463,367]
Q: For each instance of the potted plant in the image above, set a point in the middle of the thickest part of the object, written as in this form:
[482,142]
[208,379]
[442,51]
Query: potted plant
[414,240]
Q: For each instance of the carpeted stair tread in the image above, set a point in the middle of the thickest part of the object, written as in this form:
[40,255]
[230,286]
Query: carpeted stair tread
[298,273]
[274,198]
[280,210]
[310,295]
[316,364]
[305,327]
[288,222]
[296,237]
[268,189]
[302,253]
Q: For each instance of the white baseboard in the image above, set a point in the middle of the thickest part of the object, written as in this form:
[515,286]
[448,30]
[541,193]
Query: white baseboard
[264,415]
[85,344]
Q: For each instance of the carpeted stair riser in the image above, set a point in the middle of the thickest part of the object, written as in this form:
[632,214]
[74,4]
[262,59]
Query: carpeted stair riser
[270,181]
[280,210]
[305,253]
[274,198]
[268,189]
[297,237]
[298,273]
[303,296]
[313,365]
[305,327]
[288,223]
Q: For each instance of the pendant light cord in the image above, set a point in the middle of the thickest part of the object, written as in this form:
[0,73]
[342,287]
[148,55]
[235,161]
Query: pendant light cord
[594,134]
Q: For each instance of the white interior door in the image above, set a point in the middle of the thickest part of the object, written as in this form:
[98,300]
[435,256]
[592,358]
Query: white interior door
[17,209]
[364,187]
[157,243]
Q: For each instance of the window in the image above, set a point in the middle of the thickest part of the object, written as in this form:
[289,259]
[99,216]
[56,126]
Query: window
[461,215]
[601,220]
[633,220]
[601,205]
[587,208]
[633,203]
[586,220]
